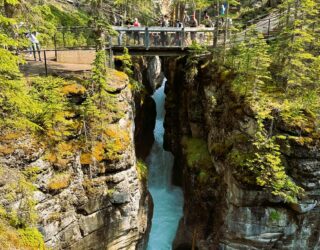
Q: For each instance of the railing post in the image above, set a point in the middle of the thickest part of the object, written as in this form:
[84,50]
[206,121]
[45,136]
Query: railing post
[183,36]
[146,38]
[269,23]
[245,33]
[110,41]
[55,46]
[111,58]
[216,32]
[45,62]
[213,39]
[63,38]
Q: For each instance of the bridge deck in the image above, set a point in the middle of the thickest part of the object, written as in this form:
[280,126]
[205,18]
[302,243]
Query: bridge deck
[151,51]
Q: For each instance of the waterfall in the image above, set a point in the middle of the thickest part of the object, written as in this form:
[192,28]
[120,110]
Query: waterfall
[167,199]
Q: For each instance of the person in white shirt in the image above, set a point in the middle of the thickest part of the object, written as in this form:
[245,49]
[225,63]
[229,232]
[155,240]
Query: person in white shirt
[35,45]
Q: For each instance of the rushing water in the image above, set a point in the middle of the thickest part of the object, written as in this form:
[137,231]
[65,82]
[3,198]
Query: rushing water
[167,199]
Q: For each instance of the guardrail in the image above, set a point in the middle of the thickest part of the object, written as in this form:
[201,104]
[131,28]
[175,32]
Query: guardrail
[83,38]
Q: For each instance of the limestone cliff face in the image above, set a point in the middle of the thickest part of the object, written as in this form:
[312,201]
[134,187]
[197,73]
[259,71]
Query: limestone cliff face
[104,204]
[221,212]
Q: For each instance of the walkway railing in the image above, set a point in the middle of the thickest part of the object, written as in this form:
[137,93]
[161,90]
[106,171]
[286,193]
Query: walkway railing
[78,40]
[161,36]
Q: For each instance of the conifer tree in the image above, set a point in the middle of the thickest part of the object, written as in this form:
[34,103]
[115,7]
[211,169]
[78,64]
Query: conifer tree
[293,55]
[14,99]
[251,64]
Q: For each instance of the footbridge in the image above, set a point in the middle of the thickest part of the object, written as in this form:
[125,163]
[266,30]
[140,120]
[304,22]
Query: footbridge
[161,41]
[75,47]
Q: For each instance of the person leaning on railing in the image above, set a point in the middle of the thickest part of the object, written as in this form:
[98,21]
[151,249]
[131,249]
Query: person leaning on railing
[128,23]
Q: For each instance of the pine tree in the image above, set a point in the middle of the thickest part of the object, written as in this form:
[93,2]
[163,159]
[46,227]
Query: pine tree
[251,63]
[14,99]
[294,58]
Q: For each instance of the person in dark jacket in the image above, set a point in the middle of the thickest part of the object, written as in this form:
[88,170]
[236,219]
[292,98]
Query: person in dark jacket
[163,34]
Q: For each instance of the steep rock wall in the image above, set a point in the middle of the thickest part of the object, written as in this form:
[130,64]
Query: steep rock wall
[221,212]
[104,204]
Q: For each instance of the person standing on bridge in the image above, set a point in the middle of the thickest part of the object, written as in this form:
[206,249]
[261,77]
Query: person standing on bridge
[222,10]
[177,38]
[136,34]
[186,19]
[163,34]
[207,21]
[35,45]
[193,24]
[128,23]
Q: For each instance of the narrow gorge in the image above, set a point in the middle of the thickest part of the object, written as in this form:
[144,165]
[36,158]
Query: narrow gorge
[159,125]
[167,199]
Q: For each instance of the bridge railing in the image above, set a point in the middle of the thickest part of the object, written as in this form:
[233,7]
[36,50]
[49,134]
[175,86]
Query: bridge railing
[154,36]
[161,36]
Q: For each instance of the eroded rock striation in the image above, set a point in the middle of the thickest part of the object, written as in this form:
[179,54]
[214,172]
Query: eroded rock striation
[94,201]
[205,120]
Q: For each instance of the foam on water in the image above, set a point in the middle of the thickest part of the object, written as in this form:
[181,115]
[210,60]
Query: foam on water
[167,199]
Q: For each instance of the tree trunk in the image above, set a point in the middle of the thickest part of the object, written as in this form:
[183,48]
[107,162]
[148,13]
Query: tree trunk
[216,34]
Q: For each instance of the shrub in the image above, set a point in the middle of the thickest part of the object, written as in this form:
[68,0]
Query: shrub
[31,238]
[142,170]
[196,152]
[59,181]
[274,216]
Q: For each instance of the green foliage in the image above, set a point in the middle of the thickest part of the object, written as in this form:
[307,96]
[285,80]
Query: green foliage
[63,18]
[250,59]
[275,216]
[14,99]
[264,163]
[18,188]
[49,102]
[278,77]
[100,113]
[126,61]
[126,67]
[24,239]
[203,177]
[142,170]
[196,152]
[99,82]
[294,51]
[31,238]
[268,166]
[199,160]
[196,50]
[144,10]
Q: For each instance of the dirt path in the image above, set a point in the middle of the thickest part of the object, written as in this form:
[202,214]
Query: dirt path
[32,68]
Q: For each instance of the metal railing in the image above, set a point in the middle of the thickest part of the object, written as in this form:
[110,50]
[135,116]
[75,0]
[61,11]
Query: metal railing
[81,38]
[161,37]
